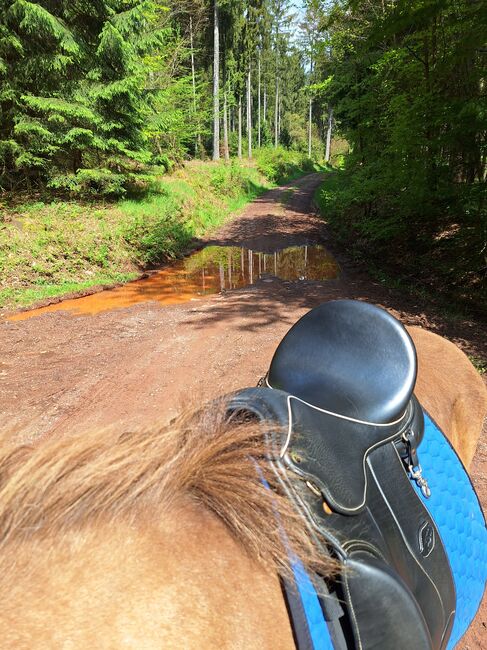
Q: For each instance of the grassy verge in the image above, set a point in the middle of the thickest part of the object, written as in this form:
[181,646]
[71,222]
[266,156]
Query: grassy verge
[50,248]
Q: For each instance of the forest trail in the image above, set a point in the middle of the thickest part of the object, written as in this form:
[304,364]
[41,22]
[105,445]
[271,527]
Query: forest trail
[134,367]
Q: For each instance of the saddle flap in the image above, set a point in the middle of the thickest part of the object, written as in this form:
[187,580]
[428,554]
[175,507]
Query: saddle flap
[331,452]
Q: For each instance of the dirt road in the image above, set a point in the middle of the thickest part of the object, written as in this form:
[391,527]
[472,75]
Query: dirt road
[132,367]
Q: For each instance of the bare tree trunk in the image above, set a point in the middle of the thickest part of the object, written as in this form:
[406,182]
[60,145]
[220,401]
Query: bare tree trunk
[197,146]
[240,126]
[265,105]
[258,106]
[216,83]
[249,113]
[276,116]
[328,134]
[279,115]
[309,126]
[226,150]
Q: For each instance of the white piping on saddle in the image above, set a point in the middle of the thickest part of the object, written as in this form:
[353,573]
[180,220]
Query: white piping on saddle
[335,415]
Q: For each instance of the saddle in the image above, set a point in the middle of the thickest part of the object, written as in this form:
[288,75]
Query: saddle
[364,465]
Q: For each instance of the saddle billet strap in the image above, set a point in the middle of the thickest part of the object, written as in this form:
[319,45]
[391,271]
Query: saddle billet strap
[394,591]
[315,617]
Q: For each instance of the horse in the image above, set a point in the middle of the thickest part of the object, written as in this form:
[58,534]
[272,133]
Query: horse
[451,389]
[169,537]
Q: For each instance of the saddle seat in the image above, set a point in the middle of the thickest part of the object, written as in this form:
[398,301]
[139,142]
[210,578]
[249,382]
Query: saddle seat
[348,358]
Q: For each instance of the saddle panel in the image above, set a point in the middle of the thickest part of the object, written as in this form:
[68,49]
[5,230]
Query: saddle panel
[350,358]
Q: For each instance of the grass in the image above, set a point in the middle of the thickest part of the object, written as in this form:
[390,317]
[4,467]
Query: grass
[24,296]
[479,364]
[55,247]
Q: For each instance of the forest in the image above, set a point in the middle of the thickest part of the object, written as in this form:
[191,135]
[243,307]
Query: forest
[101,99]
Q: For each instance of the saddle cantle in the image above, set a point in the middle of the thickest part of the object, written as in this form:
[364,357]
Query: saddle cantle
[350,436]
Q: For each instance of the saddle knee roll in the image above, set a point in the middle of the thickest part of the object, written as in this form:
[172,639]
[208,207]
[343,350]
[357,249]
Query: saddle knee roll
[383,613]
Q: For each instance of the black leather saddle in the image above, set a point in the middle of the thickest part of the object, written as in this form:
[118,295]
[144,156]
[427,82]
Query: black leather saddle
[343,429]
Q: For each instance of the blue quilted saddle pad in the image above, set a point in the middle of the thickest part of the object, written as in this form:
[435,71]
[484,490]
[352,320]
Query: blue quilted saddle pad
[455,508]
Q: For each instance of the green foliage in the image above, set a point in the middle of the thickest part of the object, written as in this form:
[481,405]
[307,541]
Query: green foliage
[86,98]
[406,81]
[280,164]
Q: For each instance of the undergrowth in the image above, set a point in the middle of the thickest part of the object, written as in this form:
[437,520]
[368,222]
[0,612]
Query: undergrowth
[436,265]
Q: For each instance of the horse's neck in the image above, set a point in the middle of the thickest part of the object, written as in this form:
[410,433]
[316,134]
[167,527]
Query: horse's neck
[184,583]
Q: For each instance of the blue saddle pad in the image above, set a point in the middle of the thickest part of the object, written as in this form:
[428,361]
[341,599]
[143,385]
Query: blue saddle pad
[455,508]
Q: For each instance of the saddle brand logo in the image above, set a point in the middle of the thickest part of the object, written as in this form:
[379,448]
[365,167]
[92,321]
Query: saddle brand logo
[426,539]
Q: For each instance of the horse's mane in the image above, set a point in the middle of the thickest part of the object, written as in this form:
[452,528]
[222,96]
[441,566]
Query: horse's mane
[72,482]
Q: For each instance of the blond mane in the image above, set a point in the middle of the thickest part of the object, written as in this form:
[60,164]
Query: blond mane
[74,482]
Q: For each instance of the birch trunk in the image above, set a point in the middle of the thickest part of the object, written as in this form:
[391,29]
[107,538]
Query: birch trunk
[249,113]
[276,116]
[309,126]
[328,135]
[258,106]
[276,111]
[197,145]
[216,83]
[279,117]
[226,149]
[240,127]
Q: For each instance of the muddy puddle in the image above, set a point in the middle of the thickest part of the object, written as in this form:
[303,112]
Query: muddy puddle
[213,269]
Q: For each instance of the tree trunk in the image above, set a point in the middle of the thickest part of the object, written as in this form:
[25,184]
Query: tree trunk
[197,144]
[276,116]
[279,115]
[240,126]
[216,83]
[249,113]
[309,126]
[226,150]
[264,112]
[276,112]
[328,134]
[258,107]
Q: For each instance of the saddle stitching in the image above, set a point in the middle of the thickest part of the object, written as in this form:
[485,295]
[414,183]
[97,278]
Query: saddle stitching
[352,610]
[354,544]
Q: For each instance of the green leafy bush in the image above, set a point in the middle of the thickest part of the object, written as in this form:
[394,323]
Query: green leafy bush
[279,164]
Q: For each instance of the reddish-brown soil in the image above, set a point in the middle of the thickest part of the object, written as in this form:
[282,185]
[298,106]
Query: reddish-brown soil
[132,367]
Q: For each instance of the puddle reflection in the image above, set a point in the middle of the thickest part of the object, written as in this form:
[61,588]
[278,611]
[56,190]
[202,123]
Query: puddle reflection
[210,270]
